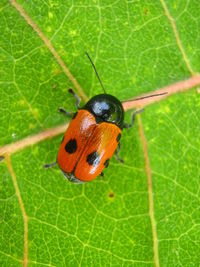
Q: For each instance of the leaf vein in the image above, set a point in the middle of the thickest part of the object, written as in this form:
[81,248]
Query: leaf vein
[24,215]
[178,40]
[150,190]
[50,47]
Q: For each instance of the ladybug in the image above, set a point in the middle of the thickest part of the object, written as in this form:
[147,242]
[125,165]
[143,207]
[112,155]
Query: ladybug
[93,136]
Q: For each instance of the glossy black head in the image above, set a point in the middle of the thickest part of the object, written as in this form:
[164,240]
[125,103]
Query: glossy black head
[106,108]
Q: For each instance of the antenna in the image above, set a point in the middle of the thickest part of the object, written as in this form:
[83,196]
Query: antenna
[148,96]
[95,71]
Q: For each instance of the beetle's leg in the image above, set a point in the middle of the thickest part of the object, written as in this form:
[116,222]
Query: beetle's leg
[78,100]
[65,112]
[102,174]
[50,165]
[117,154]
[127,125]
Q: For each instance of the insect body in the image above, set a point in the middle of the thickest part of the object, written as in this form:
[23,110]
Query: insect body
[91,138]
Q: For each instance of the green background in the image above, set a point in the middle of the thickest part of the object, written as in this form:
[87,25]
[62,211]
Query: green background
[136,50]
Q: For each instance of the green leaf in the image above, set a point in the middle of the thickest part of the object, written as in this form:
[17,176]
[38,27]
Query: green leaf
[121,219]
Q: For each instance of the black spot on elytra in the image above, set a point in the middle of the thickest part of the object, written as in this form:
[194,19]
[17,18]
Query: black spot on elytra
[118,137]
[106,163]
[93,158]
[74,116]
[71,146]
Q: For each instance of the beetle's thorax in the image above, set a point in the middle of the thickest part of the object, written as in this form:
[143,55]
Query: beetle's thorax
[106,108]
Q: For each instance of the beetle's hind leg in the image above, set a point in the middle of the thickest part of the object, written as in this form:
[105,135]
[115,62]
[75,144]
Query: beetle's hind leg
[117,154]
[50,165]
[129,125]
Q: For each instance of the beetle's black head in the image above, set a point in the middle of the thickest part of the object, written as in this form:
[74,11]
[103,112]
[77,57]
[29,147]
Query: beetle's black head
[106,108]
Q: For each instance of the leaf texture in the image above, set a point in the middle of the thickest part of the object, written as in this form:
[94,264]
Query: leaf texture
[142,213]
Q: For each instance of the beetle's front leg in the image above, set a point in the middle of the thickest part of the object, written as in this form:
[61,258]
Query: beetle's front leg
[78,100]
[129,125]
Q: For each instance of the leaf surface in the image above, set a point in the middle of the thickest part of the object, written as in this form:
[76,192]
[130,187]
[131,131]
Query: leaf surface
[118,220]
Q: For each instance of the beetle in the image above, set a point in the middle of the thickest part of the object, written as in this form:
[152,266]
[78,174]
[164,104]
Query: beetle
[93,136]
